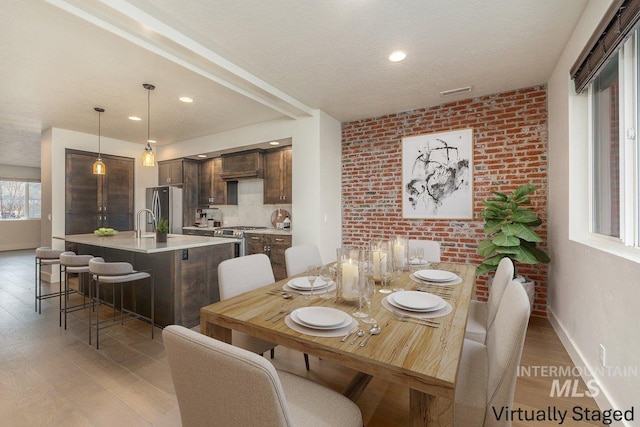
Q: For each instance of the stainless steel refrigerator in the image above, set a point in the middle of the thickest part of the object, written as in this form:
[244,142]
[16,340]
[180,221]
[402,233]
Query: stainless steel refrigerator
[165,202]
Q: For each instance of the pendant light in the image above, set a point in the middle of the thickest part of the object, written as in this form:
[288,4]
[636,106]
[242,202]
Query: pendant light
[98,166]
[148,158]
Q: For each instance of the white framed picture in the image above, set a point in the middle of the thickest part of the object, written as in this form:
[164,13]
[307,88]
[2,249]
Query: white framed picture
[437,175]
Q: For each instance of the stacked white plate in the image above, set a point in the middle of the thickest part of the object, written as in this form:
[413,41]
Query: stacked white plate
[439,276]
[421,302]
[323,318]
[302,284]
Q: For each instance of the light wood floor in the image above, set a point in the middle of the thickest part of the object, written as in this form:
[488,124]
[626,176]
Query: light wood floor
[49,376]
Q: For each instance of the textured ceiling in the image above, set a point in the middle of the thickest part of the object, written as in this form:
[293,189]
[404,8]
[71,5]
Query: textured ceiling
[246,62]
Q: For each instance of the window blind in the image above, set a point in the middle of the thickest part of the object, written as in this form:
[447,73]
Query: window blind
[618,23]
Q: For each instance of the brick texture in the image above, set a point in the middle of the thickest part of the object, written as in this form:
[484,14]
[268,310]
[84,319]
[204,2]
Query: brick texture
[510,149]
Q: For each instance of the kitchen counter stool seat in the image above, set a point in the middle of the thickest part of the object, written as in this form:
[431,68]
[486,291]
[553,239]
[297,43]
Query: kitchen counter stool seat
[113,273]
[70,263]
[45,256]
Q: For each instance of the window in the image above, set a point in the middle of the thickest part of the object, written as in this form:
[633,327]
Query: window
[19,199]
[613,96]
[605,149]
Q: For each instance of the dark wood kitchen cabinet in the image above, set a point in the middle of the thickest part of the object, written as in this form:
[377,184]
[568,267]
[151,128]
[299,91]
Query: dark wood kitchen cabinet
[277,176]
[272,245]
[93,201]
[174,172]
[213,189]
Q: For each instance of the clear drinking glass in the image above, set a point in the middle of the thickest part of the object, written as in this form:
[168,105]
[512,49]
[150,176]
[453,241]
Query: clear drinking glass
[312,275]
[420,255]
[366,273]
[386,276]
[367,292]
[327,275]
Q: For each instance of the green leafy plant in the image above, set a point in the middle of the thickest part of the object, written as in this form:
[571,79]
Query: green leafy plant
[162,226]
[509,227]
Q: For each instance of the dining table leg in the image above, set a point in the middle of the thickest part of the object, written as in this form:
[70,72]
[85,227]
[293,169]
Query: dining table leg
[428,410]
[356,386]
[215,331]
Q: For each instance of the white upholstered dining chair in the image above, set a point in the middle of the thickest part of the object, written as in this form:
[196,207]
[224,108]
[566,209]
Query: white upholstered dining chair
[487,373]
[431,249]
[243,274]
[482,314]
[297,258]
[237,276]
[222,385]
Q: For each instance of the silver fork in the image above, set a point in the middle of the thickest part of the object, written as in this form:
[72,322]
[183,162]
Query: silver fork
[351,331]
[275,315]
[280,315]
[426,322]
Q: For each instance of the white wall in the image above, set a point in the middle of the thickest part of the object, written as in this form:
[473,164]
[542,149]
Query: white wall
[593,295]
[22,233]
[316,144]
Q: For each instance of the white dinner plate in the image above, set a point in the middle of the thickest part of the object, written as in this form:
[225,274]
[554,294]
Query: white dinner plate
[296,319]
[321,317]
[302,283]
[416,301]
[436,275]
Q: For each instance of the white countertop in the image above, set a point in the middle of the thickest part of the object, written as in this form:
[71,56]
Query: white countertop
[270,231]
[126,241]
[260,231]
[193,227]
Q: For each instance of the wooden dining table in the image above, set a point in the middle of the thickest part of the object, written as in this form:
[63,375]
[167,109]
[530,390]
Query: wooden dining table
[423,358]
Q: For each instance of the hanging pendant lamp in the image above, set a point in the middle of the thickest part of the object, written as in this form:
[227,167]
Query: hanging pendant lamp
[98,166]
[148,158]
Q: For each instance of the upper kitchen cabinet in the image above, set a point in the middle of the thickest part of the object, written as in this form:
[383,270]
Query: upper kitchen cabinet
[244,164]
[172,172]
[277,176]
[213,189]
[93,201]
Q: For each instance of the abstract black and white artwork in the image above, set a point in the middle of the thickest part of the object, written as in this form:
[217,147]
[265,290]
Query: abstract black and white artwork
[437,175]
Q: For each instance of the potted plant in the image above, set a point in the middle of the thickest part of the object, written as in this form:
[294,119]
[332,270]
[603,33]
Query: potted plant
[162,229]
[509,227]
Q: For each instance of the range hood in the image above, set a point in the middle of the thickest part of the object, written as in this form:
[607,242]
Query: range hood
[242,165]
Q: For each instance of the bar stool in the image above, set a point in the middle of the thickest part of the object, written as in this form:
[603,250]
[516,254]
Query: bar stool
[114,273]
[45,256]
[71,263]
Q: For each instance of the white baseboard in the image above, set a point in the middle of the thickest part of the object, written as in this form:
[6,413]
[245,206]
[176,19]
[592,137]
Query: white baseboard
[602,399]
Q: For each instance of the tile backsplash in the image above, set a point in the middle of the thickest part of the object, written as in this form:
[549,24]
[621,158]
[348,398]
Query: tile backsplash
[250,209]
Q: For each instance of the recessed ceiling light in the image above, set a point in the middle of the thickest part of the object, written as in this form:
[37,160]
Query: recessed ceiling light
[202,156]
[135,118]
[185,99]
[152,141]
[274,143]
[397,56]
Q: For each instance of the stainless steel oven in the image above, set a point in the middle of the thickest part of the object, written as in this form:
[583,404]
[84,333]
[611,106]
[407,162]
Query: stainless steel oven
[237,233]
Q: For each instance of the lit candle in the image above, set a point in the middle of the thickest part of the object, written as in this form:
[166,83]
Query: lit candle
[398,254]
[349,279]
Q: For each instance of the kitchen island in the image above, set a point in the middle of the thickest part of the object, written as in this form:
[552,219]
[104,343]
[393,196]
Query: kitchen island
[184,271]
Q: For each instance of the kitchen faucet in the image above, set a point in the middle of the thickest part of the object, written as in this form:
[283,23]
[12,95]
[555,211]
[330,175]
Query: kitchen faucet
[138,226]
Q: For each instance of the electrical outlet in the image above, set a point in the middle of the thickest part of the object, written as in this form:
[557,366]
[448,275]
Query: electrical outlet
[603,356]
[185,254]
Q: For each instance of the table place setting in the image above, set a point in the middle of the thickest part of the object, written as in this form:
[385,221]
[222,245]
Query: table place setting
[436,277]
[416,305]
[320,321]
[302,286]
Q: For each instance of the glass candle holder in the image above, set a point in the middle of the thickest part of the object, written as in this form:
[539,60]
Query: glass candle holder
[347,274]
[400,246]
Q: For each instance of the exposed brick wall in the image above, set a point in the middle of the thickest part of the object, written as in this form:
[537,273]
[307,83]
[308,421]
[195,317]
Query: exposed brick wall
[510,149]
